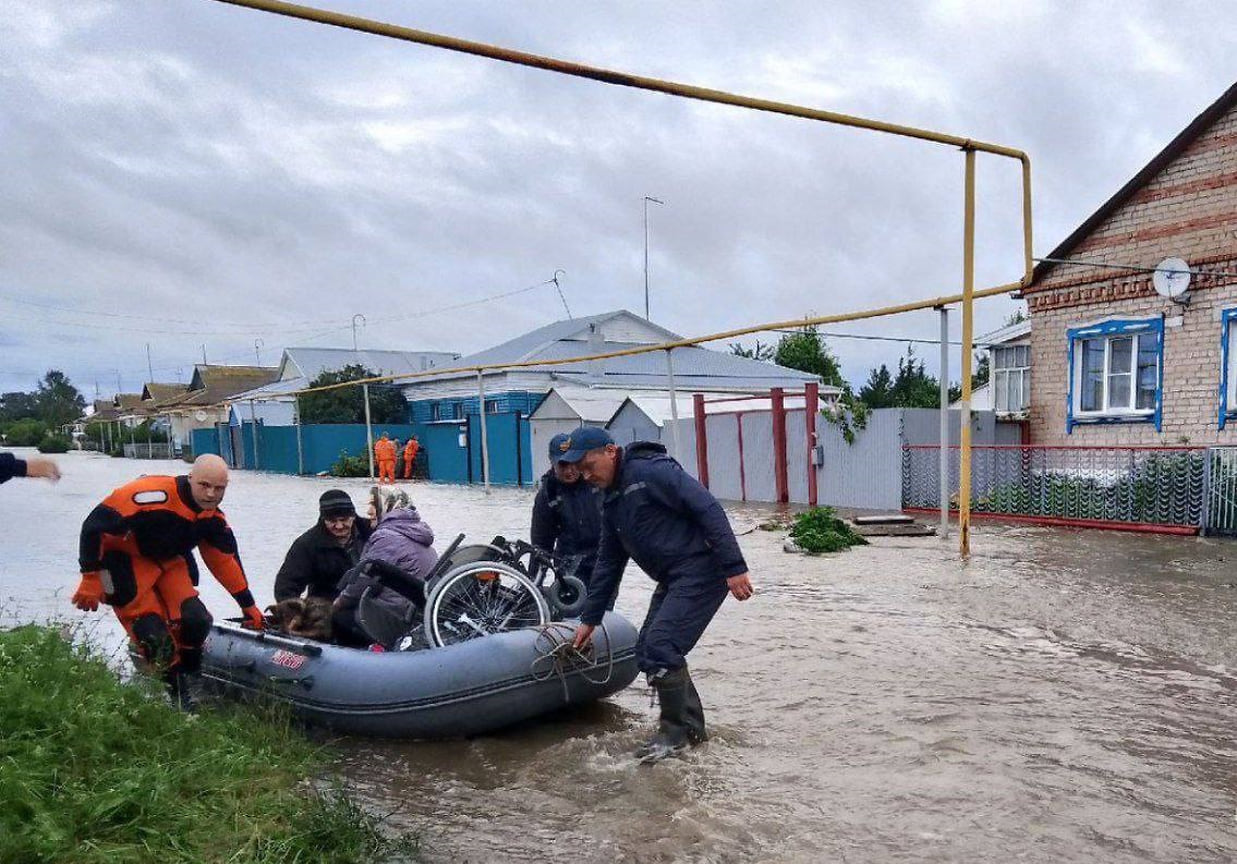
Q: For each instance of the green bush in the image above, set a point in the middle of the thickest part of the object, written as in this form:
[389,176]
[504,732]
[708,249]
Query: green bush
[94,771]
[54,444]
[350,466]
[819,530]
[27,433]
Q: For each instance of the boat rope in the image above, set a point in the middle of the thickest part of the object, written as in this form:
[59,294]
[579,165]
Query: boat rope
[557,656]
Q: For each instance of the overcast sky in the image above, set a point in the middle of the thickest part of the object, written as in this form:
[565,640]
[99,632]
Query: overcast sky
[186,173]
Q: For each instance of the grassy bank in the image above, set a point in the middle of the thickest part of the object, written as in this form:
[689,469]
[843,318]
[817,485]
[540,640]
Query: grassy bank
[93,770]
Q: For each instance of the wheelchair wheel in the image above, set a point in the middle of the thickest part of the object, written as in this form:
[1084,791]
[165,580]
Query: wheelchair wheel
[481,599]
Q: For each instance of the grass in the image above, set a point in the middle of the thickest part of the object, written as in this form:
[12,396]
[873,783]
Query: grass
[96,770]
[819,530]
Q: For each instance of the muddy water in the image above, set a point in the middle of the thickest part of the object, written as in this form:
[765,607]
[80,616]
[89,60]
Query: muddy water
[1061,696]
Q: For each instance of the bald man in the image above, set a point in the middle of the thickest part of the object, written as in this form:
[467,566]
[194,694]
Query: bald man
[136,556]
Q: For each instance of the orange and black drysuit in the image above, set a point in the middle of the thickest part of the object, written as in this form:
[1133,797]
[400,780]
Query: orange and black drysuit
[137,556]
[384,455]
[410,456]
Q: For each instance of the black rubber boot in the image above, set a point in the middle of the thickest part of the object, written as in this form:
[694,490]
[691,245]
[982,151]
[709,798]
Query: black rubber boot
[693,713]
[671,737]
[183,690]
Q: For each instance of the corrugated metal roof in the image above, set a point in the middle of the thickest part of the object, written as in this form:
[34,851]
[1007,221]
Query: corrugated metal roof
[571,332]
[1005,334]
[312,362]
[590,405]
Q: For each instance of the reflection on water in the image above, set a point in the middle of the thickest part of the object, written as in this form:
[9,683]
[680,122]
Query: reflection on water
[1061,696]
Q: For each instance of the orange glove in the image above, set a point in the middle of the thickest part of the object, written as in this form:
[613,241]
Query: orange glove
[89,593]
[253,618]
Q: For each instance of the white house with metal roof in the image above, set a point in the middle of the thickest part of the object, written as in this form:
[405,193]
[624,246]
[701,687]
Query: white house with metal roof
[275,404]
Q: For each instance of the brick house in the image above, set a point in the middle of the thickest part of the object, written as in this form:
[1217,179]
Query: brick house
[1114,362]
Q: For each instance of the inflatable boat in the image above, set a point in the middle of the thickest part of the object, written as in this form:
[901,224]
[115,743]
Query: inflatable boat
[460,690]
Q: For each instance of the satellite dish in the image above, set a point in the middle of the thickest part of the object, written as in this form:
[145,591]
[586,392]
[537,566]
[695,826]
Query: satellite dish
[200,416]
[1172,279]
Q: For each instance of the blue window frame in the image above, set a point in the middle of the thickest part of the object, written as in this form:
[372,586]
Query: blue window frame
[1228,375]
[1116,373]
[435,411]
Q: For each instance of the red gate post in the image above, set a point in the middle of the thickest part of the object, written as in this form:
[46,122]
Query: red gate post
[811,405]
[702,439]
[779,445]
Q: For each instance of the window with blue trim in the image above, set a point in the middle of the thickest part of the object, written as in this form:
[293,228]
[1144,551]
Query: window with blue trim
[1228,374]
[1116,372]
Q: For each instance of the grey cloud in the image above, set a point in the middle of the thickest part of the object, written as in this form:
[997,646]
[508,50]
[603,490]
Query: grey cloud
[196,161]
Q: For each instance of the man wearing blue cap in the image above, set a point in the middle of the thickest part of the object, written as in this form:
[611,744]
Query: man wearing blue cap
[567,513]
[658,515]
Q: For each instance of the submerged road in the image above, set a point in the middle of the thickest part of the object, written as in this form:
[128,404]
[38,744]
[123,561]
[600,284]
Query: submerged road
[1063,696]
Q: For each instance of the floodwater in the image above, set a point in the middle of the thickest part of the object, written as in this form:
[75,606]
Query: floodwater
[1062,696]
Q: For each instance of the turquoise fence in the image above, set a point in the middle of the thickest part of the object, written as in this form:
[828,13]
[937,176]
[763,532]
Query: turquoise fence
[452,449]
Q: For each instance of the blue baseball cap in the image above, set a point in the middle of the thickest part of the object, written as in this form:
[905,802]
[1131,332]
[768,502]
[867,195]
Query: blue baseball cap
[556,449]
[581,441]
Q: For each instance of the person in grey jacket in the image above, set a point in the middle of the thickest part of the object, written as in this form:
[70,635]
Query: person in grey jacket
[400,540]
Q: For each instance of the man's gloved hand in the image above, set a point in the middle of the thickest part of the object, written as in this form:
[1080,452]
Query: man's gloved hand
[253,618]
[89,593]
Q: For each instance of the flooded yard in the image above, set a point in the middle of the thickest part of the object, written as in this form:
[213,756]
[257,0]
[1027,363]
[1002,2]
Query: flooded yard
[1059,696]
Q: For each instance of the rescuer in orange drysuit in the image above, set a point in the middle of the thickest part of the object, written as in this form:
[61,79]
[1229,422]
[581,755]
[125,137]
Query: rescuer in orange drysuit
[384,455]
[136,555]
[410,455]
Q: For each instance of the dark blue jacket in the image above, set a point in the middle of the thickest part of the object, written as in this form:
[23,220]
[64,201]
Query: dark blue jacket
[659,516]
[567,520]
[11,466]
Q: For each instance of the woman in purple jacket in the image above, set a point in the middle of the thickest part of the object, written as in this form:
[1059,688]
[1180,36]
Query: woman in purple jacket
[400,540]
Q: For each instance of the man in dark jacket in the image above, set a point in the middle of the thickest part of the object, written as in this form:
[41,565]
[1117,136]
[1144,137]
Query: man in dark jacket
[319,557]
[567,514]
[35,466]
[658,515]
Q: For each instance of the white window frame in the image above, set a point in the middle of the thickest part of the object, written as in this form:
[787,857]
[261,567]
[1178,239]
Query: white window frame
[1107,331]
[1022,371]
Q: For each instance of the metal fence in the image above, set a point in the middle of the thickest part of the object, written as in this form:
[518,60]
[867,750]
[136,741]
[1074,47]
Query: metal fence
[142,450]
[1221,510]
[1143,486]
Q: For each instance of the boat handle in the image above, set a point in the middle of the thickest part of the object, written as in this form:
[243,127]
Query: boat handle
[306,681]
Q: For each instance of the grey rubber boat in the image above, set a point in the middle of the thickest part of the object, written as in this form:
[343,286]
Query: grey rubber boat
[457,691]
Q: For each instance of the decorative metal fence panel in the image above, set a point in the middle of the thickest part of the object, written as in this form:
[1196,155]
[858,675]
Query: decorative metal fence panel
[1221,515]
[1136,485]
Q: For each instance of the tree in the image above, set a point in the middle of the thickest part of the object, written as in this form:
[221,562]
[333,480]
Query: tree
[806,351]
[1017,318]
[57,400]
[913,387]
[878,392]
[347,404]
[17,406]
[760,352]
[980,376]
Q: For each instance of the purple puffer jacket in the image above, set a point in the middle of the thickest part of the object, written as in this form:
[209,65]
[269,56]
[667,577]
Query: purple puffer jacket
[401,539]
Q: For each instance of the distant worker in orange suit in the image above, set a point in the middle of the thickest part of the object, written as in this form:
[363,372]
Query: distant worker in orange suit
[136,556]
[410,455]
[384,455]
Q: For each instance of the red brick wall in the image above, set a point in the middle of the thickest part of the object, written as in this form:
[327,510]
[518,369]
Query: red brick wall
[1188,210]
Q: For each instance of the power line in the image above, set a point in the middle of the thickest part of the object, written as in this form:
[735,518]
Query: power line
[1131,268]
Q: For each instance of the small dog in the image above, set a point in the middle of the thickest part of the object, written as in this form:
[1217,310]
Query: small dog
[309,617]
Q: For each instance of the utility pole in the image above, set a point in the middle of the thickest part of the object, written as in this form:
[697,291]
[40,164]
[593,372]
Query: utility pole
[354,317]
[647,199]
[204,363]
[257,350]
[149,368]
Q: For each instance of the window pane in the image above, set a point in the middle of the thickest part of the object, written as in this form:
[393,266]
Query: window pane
[1026,390]
[1121,354]
[1015,392]
[1232,364]
[998,358]
[1091,389]
[1148,367]
[1002,388]
[1024,356]
[1119,391]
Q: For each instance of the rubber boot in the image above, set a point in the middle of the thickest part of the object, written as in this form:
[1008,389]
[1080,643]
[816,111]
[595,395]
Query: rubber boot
[671,737]
[183,690]
[693,713]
